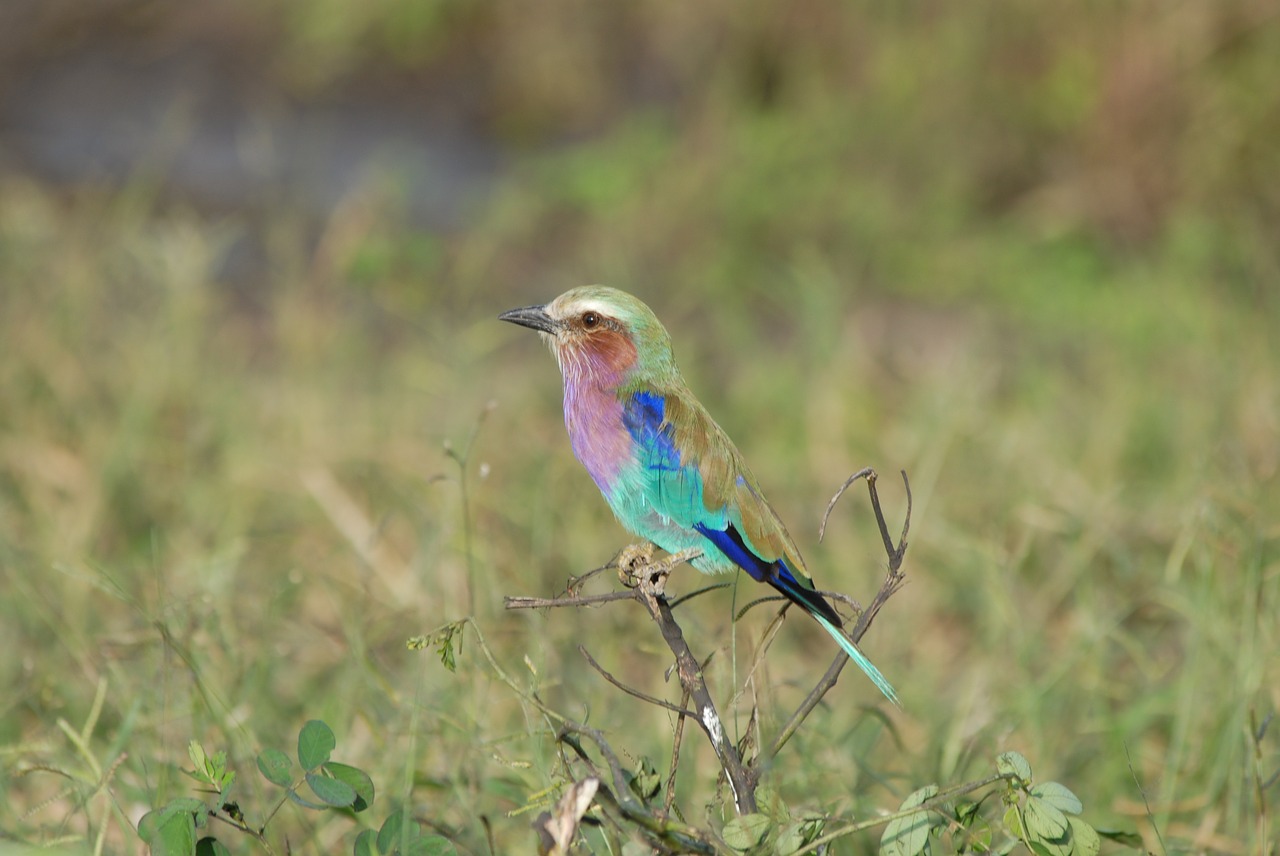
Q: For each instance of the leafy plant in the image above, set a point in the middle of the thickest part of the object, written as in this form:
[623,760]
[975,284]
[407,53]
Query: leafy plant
[316,783]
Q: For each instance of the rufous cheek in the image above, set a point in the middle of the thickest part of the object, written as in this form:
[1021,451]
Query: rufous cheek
[611,351]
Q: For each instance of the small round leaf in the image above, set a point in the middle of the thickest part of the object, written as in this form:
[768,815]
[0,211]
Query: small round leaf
[315,744]
[396,830]
[367,844]
[1058,796]
[743,833]
[210,846]
[1044,820]
[169,831]
[357,779]
[1013,762]
[430,845]
[276,767]
[331,791]
[1084,839]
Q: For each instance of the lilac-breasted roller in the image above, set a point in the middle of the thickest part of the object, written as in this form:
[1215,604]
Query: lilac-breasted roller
[668,471]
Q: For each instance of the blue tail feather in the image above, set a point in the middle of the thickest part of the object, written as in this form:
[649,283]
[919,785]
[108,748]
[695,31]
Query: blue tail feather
[778,575]
[868,668]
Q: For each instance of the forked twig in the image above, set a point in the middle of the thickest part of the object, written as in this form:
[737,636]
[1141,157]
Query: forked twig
[893,581]
[646,580]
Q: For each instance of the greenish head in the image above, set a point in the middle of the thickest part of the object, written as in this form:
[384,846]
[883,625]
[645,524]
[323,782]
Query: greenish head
[601,333]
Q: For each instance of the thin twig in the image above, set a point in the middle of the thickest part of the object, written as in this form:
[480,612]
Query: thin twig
[632,691]
[690,673]
[669,833]
[936,803]
[522,602]
[670,798]
[867,473]
[893,581]
[691,595]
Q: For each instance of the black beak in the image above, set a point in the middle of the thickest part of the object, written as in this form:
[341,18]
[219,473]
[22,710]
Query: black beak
[533,317]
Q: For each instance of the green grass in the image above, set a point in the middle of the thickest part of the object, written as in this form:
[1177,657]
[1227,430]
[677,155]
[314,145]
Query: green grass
[223,511]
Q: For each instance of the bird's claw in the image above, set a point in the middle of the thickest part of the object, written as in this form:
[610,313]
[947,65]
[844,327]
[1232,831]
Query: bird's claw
[632,563]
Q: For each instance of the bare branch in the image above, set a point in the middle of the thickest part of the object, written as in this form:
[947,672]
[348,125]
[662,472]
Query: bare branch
[521,602]
[697,593]
[674,836]
[631,691]
[646,580]
[893,581]
[652,582]
[867,473]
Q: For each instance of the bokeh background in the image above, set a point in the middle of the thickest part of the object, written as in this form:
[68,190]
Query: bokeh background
[258,425]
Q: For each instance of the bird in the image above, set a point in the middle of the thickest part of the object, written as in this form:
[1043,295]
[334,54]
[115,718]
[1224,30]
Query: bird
[668,471]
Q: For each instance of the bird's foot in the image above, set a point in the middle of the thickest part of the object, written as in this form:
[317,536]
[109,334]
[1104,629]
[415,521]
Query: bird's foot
[636,567]
[633,562]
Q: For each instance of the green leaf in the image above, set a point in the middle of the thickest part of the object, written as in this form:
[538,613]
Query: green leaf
[331,791]
[1084,838]
[795,835]
[303,801]
[1058,796]
[199,759]
[210,846]
[315,744]
[645,782]
[276,767]
[1013,762]
[445,647]
[1013,823]
[396,830]
[357,779]
[430,845]
[919,797]
[769,803]
[1044,821]
[366,844]
[169,831]
[1048,832]
[979,837]
[790,839]
[1127,837]
[743,833]
[909,835]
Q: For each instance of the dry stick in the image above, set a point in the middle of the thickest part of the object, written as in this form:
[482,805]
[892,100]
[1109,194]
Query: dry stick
[689,839]
[650,580]
[632,691]
[689,671]
[669,800]
[893,581]
[521,602]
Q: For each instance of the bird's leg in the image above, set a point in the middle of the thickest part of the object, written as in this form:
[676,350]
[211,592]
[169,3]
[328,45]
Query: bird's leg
[653,577]
[632,562]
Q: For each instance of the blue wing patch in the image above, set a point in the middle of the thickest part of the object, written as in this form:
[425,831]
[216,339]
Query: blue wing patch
[644,415]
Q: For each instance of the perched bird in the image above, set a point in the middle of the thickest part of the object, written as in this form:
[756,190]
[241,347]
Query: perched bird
[668,471]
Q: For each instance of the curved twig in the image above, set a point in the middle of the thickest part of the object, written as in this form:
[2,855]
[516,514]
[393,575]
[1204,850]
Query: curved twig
[632,691]
[893,581]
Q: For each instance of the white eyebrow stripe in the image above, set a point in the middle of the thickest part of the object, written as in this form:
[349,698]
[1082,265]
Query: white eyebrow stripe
[580,306]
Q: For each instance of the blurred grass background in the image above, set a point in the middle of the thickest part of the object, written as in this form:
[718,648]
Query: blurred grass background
[250,259]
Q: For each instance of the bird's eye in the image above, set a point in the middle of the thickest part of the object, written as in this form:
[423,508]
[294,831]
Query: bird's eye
[590,319]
